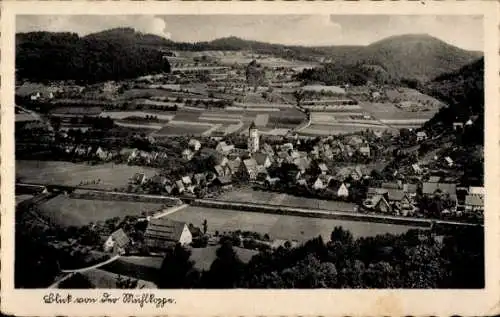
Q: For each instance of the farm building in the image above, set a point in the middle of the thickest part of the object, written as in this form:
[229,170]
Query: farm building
[194,144]
[249,169]
[139,178]
[421,136]
[342,190]
[381,204]
[322,182]
[163,233]
[432,188]
[117,242]
[474,203]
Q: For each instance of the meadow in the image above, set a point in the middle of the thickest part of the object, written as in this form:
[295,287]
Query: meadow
[65,211]
[279,226]
[281,199]
[72,174]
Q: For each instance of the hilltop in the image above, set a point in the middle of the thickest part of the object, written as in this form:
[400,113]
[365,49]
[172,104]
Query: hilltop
[416,56]
[42,56]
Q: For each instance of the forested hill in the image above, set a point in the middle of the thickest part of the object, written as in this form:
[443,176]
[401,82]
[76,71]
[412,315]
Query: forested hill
[42,56]
[413,58]
[462,91]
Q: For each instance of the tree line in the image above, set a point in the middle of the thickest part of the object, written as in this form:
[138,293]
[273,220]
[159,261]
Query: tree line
[44,56]
[415,259]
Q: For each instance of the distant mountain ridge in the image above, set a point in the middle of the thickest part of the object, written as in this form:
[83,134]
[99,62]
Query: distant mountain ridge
[415,56]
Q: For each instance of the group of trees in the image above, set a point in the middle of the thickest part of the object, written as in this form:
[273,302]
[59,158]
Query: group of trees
[43,56]
[415,259]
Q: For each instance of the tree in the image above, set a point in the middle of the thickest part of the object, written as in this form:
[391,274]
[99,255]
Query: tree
[226,269]
[205,226]
[177,270]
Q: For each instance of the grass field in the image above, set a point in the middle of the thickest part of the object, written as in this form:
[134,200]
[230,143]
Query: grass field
[279,226]
[255,196]
[185,128]
[71,174]
[388,111]
[126,114]
[332,129]
[66,211]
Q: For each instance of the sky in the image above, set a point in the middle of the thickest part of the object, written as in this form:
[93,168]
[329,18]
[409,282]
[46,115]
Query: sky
[309,30]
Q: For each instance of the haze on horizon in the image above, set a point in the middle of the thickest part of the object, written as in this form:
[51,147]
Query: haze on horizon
[463,31]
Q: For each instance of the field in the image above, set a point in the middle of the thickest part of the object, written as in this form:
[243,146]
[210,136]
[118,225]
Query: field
[183,128]
[279,226]
[65,173]
[125,114]
[66,211]
[341,128]
[388,111]
[255,196]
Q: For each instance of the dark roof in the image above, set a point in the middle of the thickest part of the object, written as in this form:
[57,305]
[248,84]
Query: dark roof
[250,165]
[376,191]
[390,185]
[395,194]
[120,238]
[252,126]
[431,188]
[410,188]
[163,229]
[260,158]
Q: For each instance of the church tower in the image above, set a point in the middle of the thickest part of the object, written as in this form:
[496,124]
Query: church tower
[253,138]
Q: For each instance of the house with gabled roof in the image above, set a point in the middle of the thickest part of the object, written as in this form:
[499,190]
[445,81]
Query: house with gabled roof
[224,148]
[342,190]
[380,204]
[187,154]
[159,180]
[234,165]
[163,233]
[179,185]
[322,182]
[129,154]
[249,169]
[364,149]
[421,136]
[410,189]
[139,178]
[474,203]
[199,178]
[262,159]
[194,144]
[219,171]
[117,242]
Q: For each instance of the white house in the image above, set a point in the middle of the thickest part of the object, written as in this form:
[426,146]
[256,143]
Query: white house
[343,190]
[322,182]
[187,154]
[421,136]
[449,161]
[116,242]
[163,233]
[194,144]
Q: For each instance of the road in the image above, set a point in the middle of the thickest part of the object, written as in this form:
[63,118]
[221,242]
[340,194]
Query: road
[319,212]
[70,273]
[95,266]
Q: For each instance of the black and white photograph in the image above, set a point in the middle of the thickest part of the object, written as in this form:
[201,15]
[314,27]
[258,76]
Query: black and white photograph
[154,152]
[249,151]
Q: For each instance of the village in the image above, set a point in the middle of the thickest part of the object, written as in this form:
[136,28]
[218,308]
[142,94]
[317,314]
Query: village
[231,147]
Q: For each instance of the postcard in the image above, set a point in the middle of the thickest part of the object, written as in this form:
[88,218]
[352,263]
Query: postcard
[250,158]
